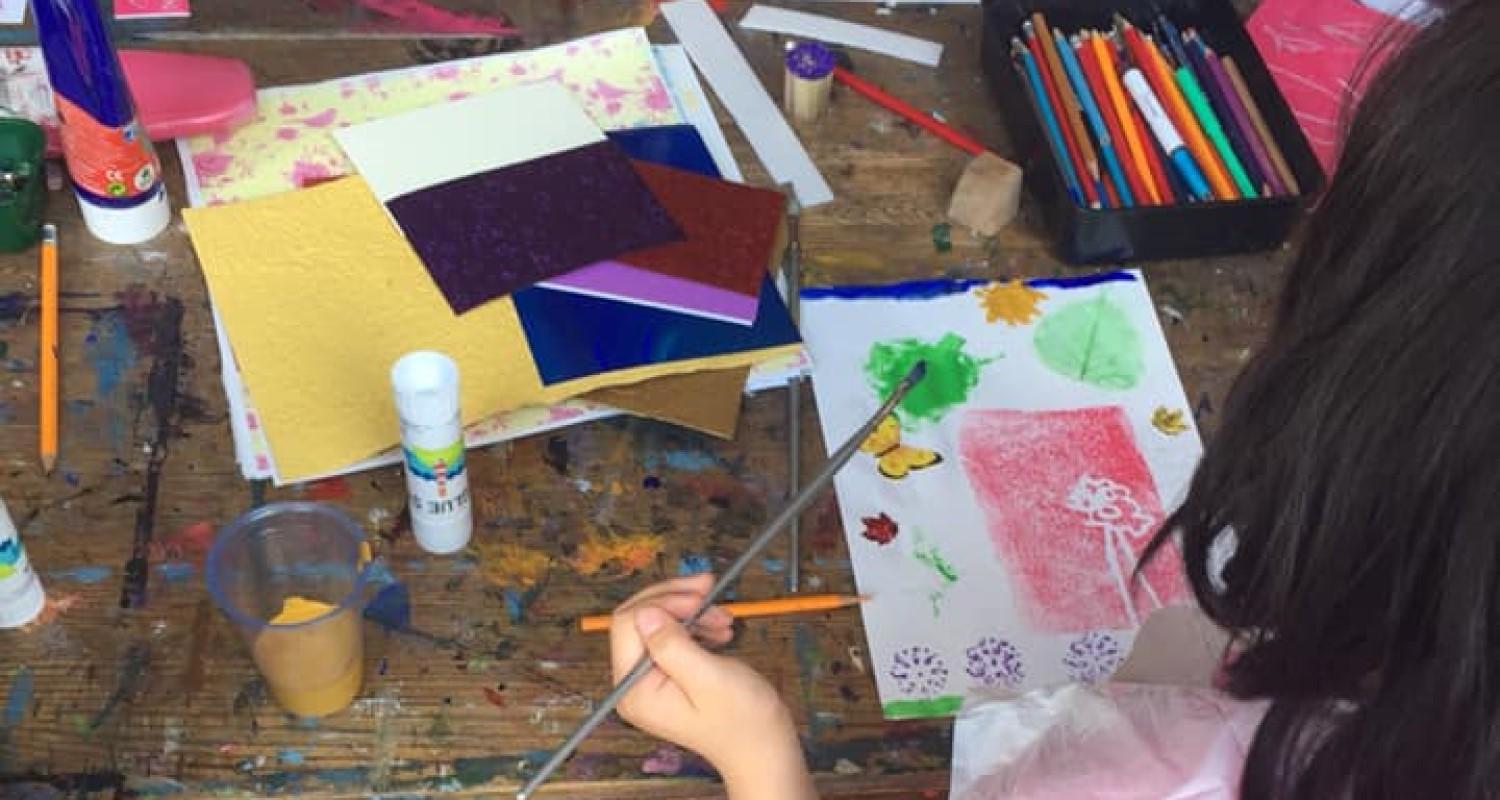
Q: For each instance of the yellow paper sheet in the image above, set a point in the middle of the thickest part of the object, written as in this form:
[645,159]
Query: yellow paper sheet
[320,294]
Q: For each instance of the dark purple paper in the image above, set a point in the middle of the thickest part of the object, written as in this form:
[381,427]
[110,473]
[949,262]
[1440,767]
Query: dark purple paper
[487,235]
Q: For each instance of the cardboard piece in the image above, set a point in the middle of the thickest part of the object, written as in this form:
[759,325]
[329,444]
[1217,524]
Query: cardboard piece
[836,31]
[319,295]
[708,402]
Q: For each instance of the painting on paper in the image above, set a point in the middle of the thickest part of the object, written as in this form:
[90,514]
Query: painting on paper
[997,516]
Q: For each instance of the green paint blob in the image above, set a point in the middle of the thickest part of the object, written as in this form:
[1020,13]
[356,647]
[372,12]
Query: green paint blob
[942,237]
[951,375]
[1091,341]
[933,559]
[945,706]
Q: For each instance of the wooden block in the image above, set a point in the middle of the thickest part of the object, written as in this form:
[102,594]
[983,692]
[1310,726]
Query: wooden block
[988,195]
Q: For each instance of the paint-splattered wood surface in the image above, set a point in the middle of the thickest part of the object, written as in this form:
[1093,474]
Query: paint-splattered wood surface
[154,693]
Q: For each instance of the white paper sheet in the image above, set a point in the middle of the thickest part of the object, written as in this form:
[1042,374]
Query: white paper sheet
[12,12]
[694,105]
[437,144]
[837,31]
[738,88]
[1062,440]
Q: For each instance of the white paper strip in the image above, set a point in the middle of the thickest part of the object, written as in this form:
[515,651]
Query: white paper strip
[737,86]
[693,104]
[837,31]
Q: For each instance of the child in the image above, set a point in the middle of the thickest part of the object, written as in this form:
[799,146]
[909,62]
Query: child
[1344,524]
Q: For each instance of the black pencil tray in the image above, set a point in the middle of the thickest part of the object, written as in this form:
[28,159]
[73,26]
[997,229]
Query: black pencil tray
[1146,233]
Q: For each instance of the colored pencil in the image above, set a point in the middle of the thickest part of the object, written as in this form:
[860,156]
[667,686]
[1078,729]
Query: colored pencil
[1258,154]
[1096,121]
[1138,179]
[1104,62]
[805,604]
[1038,96]
[1166,133]
[1214,88]
[1261,129]
[921,118]
[47,358]
[1192,91]
[1153,68]
[1054,98]
[1072,110]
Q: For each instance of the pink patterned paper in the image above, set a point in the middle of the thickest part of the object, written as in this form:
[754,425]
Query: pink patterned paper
[1070,504]
[151,9]
[1315,49]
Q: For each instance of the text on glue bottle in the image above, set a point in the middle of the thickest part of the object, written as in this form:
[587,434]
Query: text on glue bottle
[21,596]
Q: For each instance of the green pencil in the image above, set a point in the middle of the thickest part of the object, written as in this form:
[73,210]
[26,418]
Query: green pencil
[1210,121]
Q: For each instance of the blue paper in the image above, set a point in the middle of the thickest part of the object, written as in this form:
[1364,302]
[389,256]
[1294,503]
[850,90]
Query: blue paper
[677,146]
[573,336]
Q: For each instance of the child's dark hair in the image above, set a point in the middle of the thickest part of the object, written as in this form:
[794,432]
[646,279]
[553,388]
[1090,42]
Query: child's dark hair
[1357,466]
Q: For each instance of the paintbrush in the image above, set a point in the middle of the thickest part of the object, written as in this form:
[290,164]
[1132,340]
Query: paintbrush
[793,272]
[764,538]
[747,609]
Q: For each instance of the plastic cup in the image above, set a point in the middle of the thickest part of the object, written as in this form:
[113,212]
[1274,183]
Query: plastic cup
[294,578]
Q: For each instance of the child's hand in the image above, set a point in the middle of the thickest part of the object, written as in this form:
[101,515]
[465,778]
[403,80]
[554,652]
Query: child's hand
[714,705]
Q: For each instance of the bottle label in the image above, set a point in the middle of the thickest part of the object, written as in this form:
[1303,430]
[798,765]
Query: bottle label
[17,581]
[437,481]
[110,162]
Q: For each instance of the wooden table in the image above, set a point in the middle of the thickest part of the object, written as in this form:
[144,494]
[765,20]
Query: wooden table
[155,694]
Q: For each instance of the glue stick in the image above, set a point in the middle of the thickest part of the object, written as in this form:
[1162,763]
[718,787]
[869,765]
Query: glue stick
[432,438]
[21,596]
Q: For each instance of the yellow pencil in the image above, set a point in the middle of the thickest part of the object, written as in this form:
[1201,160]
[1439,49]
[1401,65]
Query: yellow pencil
[47,412]
[754,608]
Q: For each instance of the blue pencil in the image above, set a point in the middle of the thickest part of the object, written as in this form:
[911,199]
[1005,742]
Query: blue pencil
[1091,110]
[1049,119]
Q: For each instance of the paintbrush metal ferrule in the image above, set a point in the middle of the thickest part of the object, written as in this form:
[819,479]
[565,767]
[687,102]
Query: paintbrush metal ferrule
[796,506]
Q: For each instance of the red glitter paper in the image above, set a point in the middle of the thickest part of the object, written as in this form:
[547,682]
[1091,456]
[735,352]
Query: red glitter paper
[730,229]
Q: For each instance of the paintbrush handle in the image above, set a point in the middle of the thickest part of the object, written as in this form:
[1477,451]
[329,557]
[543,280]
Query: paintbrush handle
[790,512]
[805,604]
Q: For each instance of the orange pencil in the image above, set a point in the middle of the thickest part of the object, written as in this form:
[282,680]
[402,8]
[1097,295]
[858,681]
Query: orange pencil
[1088,60]
[1154,67]
[1110,76]
[1071,109]
[754,608]
[47,358]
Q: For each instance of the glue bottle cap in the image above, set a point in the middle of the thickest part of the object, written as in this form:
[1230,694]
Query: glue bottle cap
[426,384]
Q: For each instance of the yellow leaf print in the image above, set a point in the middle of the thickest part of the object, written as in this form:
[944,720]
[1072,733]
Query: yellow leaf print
[1169,421]
[1012,301]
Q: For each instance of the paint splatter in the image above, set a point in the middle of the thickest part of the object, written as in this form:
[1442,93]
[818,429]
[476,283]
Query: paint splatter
[290,757]
[329,490]
[688,460]
[508,564]
[880,529]
[321,119]
[515,605]
[1170,421]
[919,670]
[667,760]
[951,375]
[175,571]
[18,700]
[1011,301]
[87,574]
[556,455]
[651,482]
[893,459]
[630,553]
[1093,657]
[942,237]
[188,542]
[1092,341]
[993,661]
[693,563]
[212,163]
[494,696]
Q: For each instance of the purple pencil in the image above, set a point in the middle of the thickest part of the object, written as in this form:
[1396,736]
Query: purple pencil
[1242,120]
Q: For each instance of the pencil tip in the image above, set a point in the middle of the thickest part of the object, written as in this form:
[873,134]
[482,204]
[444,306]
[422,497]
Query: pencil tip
[49,462]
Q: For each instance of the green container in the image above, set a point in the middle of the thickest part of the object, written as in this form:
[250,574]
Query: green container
[22,179]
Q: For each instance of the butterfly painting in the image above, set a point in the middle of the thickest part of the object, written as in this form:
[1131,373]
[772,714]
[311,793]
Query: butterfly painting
[894,459]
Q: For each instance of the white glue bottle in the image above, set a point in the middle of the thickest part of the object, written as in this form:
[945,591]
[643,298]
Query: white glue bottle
[432,439]
[21,595]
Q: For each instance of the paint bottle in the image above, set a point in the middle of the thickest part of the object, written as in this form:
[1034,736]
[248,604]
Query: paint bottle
[115,171]
[432,439]
[21,595]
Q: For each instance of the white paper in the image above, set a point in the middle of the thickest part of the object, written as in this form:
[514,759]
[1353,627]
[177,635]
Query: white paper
[12,12]
[906,2]
[837,31]
[693,104]
[738,88]
[401,154]
[969,598]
